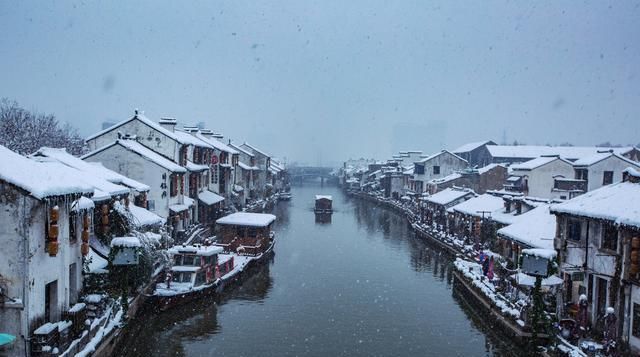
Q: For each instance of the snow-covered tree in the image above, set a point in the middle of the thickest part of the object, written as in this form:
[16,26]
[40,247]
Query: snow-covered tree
[25,132]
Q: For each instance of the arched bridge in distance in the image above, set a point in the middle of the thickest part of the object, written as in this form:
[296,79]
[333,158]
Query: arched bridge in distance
[302,174]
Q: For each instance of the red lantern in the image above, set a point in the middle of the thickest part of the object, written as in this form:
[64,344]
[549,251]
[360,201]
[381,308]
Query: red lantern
[214,159]
[84,248]
[52,248]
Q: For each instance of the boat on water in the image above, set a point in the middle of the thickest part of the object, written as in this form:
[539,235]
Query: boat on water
[323,204]
[206,269]
[284,196]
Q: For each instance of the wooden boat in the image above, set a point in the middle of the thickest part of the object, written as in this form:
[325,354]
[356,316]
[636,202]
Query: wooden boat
[200,270]
[323,204]
[284,196]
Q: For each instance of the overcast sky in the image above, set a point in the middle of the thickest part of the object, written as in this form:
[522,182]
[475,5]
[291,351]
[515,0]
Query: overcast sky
[322,81]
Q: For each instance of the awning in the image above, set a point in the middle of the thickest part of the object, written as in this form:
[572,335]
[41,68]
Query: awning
[528,280]
[209,198]
[178,208]
[247,167]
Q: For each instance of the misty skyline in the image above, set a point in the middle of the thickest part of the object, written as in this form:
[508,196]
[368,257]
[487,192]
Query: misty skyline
[323,81]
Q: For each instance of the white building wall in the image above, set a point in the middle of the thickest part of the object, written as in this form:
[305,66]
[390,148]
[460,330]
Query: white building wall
[540,180]
[138,168]
[28,268]
[612,163]
[448,164]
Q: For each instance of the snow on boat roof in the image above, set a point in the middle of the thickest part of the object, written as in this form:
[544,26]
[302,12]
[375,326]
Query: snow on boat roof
[535,228]
[93,168]
[128,242]
[324,197]
[143,151]
[40,179]
[617,202]
[471,146]
[247,219]
[485,202]
[217,144]
[448,195]
[195,249]
[537,162]
[209,197]
[533,151]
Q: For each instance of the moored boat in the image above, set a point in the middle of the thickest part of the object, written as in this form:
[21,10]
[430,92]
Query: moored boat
[199,270]
[324,204]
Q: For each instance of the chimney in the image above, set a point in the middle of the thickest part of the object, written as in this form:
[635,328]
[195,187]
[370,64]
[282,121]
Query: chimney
[168,123]
[207,133]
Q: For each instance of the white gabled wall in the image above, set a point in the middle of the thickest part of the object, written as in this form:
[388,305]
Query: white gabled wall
[611,163]
[27,267]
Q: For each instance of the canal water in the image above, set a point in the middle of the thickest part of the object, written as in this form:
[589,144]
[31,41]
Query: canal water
[361,285]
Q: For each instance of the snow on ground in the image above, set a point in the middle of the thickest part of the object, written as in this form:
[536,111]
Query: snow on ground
[473,271]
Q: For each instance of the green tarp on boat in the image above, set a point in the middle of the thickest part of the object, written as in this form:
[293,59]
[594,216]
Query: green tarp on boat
[6,339]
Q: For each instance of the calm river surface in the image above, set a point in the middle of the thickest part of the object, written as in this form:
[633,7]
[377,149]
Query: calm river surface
[362,285]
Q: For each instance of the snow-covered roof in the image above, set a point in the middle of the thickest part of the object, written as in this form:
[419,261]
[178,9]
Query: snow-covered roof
[177,208]
[209,197]
[144,217]
[255,150]
[188,139]
[535,228]
[537,162]
[91,168]
[487,168]
[617,202]
[196,167]
[195,249]
[241,149]
[451,177]
[485,202]
[247,167]
[128,242]
[433,156]
[247,219]
[595,158]
[471,146]
[82,204]
[448,195]
[533,151]
[102,189]
[40,179]
[216,144]
[143,151]
[324,197]
[140,117]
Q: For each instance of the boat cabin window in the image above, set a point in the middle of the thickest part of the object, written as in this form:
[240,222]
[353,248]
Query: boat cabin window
[252,232]
[177,259]
[209,260]
[192,260]
[200,278]
[181,277]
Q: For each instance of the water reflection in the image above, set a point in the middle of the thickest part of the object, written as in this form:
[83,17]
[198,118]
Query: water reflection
[363,285]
